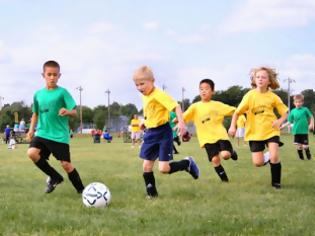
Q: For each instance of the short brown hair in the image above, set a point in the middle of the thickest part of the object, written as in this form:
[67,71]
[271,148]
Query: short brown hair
[51,63]
[143,73]
[274,83]
[298,97]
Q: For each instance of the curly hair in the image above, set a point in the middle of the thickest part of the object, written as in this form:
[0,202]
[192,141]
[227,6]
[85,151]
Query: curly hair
[272,75]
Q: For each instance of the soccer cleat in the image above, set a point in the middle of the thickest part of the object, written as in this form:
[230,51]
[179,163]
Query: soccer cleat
[51,184]
[234,156]
[192,168]
[276,185]
[151,191]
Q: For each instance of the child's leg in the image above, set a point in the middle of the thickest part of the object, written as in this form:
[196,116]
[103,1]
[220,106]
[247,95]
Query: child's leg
[175,150]
[42,164]
[275,164]
[216,163]
[258,159]
[149,179]
[307,151]
[73,175]
[299,149]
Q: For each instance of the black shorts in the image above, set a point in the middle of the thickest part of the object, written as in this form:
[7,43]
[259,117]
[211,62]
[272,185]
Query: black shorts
[259,146]
[213,149]
[301,139]
[60,151]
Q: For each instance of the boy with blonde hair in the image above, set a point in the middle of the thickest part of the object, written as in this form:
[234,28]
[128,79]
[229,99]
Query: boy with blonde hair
[262,125]
[303,121]
[208,117]
[158,139]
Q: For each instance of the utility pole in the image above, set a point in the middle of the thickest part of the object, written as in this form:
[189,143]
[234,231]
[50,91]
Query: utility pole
[1,98]
[108,109]
[163,87]
[289,80]
[183,98]
[81,122]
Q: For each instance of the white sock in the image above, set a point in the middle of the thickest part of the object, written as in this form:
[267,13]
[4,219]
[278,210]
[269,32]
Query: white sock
[266,157]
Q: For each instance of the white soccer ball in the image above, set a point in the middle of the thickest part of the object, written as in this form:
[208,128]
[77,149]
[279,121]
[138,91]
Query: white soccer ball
[96,195]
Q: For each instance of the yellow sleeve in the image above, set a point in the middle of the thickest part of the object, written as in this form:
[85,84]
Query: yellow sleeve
[243,106]
[188,115]
[167,101]
[281,108]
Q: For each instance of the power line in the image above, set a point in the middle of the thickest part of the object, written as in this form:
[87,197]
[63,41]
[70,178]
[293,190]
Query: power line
[108,109]
[81,122]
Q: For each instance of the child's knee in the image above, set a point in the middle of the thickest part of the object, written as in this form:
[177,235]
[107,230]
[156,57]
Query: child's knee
[67,166]
[33,154]
[225,155]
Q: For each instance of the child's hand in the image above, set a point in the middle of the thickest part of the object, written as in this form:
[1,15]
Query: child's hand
[232,131]
[311,127]
[276,124]
[63,112]
[29,135]
[181,128]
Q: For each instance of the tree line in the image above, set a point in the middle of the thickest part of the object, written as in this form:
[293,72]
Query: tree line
[99,115]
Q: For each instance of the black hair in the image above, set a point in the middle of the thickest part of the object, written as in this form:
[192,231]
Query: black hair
[51,64]
[208,81]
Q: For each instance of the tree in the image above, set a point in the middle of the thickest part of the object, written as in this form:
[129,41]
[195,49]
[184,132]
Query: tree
[128,110]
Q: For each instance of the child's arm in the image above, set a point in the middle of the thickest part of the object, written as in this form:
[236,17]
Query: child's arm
[285,125]
[31,130]
[311,125]
[64,112]
[232,129]
[277,123]
[181,124]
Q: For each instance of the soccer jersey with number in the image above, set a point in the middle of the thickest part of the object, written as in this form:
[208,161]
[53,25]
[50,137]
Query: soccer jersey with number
[156,108]
[47,104]
[299,117]
[259,108]
[208,118]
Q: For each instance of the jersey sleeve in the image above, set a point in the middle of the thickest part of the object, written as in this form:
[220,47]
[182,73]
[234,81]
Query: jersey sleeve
[167,101]
[243,106]
[281,108]
[35,107]
[291,117]
[69,101]
[309,113]
[227,109]
[188,115]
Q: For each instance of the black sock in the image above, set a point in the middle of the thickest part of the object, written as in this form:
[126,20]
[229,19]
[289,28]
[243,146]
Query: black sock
[76,180]
[179,165]
[175,150]
[308,153]
[221,173]
[44,166]
[149,181]
[300,152]
[275,173]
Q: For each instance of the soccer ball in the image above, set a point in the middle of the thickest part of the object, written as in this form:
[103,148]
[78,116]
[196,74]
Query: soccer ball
[96,195]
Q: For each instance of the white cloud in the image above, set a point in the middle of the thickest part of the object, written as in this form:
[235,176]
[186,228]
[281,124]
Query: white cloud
[151,25]
[188,38]
[256,15]
[102,27]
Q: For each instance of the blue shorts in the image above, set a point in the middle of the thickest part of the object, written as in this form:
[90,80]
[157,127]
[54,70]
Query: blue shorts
[157,142]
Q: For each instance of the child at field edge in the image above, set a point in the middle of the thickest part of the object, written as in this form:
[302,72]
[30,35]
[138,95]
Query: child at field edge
[208,117]
[158,139]
[52,107]
[303,121]
[262,126]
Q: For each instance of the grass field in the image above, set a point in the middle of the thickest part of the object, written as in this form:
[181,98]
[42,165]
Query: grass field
[247,205]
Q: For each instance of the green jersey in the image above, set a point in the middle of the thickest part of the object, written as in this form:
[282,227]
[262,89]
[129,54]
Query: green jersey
[172,124]
[47,104]
[299,117]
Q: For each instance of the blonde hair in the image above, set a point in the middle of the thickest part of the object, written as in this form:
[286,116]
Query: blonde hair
[272,75]
[298,97]
[143,73]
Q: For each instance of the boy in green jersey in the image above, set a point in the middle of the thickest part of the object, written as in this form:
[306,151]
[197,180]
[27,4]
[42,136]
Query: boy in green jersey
[52,107]
[303,121]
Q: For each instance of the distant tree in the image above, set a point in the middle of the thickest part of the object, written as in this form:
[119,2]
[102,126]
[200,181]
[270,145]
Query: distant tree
[309,98]
[128,110]
[100,114]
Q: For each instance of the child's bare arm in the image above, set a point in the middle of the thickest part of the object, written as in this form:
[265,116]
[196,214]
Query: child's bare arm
[181,124]
[64,112]
[232,129]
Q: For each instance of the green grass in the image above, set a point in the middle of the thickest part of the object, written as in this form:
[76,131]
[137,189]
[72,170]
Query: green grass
[248,205]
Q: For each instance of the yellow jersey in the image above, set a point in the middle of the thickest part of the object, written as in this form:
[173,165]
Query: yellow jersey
[208,119]
[135,125]
[240,123]
[259,108]
[156,108]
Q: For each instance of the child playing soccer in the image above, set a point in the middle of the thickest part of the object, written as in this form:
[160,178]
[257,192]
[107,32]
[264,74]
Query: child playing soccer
[158,139]
[135,131]
[208,117]
[262,126]
[303,121]
[51,110]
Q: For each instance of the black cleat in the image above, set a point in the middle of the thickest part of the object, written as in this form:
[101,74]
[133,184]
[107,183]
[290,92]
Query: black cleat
[151,191]
[51,184]
[234,156]
[276,185]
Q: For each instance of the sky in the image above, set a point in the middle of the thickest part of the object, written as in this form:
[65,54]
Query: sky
[100,43]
